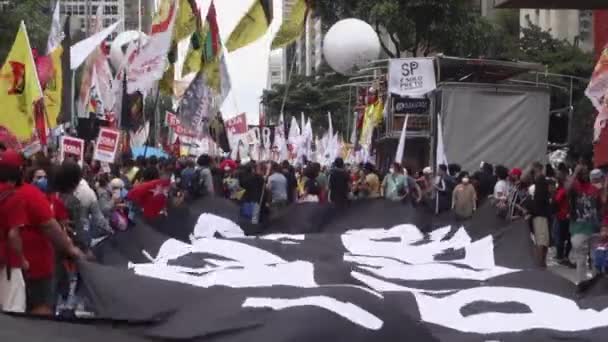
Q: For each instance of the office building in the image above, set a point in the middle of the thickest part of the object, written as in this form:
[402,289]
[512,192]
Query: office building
[304,57]
[111,11]
[575,26]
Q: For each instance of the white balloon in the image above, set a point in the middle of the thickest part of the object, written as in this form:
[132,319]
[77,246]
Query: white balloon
[351,44]
[120,44]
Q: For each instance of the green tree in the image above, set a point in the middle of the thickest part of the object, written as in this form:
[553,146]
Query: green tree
[314,96]
[37,17]
[564,58]
[420,27]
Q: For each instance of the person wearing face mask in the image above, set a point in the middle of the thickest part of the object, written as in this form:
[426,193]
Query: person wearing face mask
[464,198]
[38,177]
[584,192]
[40,180]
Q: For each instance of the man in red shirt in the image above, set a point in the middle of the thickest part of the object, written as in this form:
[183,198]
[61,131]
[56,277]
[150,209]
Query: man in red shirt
[12,284]
[152,196]
[39,232]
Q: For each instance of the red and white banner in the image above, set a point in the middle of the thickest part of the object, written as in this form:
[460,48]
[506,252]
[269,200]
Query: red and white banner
[236,130]
[107,145]
[71,148]
[237,125]
[597,92]
[150,62]
[175,123]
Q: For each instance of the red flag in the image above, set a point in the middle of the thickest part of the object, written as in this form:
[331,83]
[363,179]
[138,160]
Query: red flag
[151,197]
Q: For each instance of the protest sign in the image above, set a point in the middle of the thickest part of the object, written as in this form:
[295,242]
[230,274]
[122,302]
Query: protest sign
[71,148]
[413,77]
[107,145]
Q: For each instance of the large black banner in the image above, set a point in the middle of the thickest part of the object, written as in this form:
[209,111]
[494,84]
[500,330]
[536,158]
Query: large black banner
[374,271]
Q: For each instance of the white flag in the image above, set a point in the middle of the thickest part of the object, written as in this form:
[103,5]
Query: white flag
[81,50]
[151,60]
[56,35]
[401,147]
[294,131]
[442,159]
[353,135]
[280,140]
[308,134]
[331,125]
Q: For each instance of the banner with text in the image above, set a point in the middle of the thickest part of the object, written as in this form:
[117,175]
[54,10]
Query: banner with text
[71,148]
[236,129]
[107,145]
[413,77]
[175,123]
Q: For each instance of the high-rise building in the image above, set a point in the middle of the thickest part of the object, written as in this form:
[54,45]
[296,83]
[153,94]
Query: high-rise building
[80,10]
[136,13]
[575,26]
[304,57]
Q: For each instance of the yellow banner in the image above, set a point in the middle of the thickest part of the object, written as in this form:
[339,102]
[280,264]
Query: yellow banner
[19,88]
[53,91]
[185,23]
[251,28]
[292,28]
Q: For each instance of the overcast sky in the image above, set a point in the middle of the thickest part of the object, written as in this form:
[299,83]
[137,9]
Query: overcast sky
[248,66]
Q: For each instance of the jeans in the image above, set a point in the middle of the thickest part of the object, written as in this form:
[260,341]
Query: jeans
[562,241]
[580,251]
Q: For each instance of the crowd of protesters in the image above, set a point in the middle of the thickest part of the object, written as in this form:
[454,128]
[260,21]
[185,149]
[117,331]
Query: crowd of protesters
[54,213]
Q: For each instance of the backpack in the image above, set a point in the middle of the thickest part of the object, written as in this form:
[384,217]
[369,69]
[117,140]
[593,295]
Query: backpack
[198,187]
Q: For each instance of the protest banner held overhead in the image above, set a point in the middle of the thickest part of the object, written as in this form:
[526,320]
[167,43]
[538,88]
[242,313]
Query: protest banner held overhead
[71,148]
[107,145]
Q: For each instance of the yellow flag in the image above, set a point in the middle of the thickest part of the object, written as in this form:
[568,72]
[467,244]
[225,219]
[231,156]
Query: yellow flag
[53,91]
[185,22]
[212,71]
[166,83]
[378,112]
[19,88]
[292,28]
[252,26]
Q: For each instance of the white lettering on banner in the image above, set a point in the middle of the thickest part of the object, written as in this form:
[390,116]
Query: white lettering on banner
[548,311]
[107,141]
[366,243]
[412,77]
[235,275]
[377,258]
[72,149]
[351,312]
[208,225]
[387,259]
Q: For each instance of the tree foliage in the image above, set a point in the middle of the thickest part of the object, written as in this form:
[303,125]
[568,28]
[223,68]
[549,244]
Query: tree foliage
[37,17]
[419,27]
[314,96]
[564,58]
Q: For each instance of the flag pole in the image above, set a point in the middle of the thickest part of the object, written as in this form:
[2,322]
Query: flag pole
[73,97]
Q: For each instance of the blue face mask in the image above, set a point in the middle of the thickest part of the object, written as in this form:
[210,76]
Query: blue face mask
[42,184]
[123,193]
